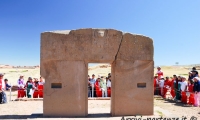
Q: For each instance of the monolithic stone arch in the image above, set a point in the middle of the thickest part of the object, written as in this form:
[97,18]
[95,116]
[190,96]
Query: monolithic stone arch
[64,64]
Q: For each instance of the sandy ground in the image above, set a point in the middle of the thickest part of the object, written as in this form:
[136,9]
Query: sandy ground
[13,74]
[97,109]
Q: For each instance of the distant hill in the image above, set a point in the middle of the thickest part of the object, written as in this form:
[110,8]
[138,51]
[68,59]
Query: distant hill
[26,67]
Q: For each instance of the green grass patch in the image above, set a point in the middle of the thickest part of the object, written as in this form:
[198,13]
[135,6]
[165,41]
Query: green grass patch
[20,71]
[184,74]
[12,71]
[160,113]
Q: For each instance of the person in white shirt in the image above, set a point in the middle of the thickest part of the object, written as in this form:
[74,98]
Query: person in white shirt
[161,84]
[109,86]
[41,82]
[184,84]
[109,83]
[103,87]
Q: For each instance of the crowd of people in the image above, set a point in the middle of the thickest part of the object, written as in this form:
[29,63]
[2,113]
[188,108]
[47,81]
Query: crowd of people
[31,88]
[180,88]
[100,86]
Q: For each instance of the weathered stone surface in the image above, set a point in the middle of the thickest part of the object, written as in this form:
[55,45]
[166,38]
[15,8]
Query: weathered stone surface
[127,98]
[64,59]
[135,47]
[71,99]
[82,44]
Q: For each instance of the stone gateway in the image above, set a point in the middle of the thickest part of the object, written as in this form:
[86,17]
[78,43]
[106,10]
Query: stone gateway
[64,64]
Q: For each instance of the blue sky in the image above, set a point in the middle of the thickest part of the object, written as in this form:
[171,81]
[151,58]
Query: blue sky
[173,25]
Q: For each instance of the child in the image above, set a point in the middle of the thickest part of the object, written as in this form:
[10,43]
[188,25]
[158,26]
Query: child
[7,86]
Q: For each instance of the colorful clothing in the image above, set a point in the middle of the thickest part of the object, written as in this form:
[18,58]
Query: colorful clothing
[20,83]
[197,93]
[159,73]
[2,84]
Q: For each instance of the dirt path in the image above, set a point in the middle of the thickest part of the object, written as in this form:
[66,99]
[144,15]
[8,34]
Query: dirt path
[24,109]
[177,108]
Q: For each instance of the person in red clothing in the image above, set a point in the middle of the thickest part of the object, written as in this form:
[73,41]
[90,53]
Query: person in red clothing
[172,86]
[190,86]
[159,72]
[190,90]
[97,87]
[155,84]
[183,89]
[167,85]
[2,90]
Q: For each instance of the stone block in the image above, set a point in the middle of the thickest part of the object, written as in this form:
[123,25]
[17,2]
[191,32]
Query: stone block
[127,98]
[83,44]
[70,99]
[135,47]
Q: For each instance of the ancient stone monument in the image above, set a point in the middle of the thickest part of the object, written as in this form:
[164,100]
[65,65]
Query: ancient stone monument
[64,64]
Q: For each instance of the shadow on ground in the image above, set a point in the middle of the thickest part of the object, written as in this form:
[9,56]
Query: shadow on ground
[99,115]
[175,102]
[14,116]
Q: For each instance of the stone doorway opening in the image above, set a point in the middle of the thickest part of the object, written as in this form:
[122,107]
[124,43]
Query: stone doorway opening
[99,89]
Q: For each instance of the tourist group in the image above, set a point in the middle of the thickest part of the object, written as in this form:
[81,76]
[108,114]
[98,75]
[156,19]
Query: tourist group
[179,88]
[32,88]
[100,86]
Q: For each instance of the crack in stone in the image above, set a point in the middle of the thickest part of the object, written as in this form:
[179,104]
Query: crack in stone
[118,48]
[51,93]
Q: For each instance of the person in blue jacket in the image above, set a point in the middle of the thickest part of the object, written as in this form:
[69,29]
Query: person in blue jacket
[7,85]
[196,90]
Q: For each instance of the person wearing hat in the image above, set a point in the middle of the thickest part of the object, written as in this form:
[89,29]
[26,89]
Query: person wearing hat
[3,98]
[194,72]
[190,76]
[159,72]
[196,91]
